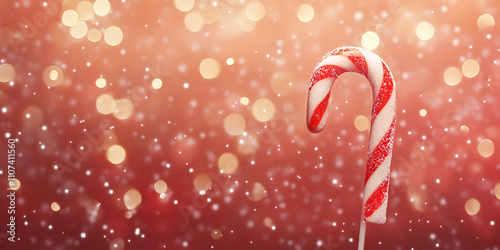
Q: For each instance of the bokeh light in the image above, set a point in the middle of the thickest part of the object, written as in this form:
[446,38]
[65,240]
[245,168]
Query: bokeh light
[113,36]
[472,206]
[305,13]
[361,123]
[184,5]
[425,31]
[485,21]
[422,112]
[14,184]
[156,83]
[452,76]
[101,83]
[7,72]
[194,21]
[104,104]
[55,206]
[257,192]
[209,68]
[132,199]
[79,30]
[470,68]
[122,108]
[244,100]
[234,124]
[263,109]
[216,234]
[115,154]
[102,7]
[94,35]
[32,117]
[85,10]
[255,10]
[486,148]
[53,76]
[202,182]
[228,163]
[160,186]
[497,191]
[370,40]
[69,18]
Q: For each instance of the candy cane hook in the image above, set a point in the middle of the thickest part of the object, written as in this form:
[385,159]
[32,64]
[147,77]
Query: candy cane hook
[383,120]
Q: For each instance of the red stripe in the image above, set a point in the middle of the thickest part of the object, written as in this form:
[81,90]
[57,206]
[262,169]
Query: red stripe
[384,93]
[381,151]
[326,71]
[318,114]
[377,198]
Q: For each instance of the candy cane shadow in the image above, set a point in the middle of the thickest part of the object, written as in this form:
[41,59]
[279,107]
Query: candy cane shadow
[452,117]
[74,156]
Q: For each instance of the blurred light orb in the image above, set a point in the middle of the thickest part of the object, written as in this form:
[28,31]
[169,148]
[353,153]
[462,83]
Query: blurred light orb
[228,163]
[497,191]
[115,154]
[55,206]
[79,30]
[69,18]
[102,7]
[485,21]
[230,61]
[209,68]
[464,129]
[85,10]
[244,100]
[194,21]
[263,110]
[255,10]
[245,23]
[132,198]
[7,72]
[94,35]
[305,13]
[52,76]
[216,234]
[423,112]
[157,83]
[184,5]
[160,186]
[361,123]
[202,182]
[100,82]
[32,117]
[425,31]
[370,40]
[123,108]
[14,184]
[113,36]
[452,76]
[104,104]
[117,244]
[472,206]
[234,124]
[470,68]
[486,148]
[258,192]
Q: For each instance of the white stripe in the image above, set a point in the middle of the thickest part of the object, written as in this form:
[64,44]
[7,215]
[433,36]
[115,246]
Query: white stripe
[377,178]
[382,122]
[375,70]
[316,94]
[338,60]
[379,215]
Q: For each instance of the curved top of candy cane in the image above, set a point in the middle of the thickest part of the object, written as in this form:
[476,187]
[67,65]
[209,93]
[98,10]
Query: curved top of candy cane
[337,62]
[383,120]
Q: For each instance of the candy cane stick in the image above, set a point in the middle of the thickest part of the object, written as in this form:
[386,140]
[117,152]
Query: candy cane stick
[383,121]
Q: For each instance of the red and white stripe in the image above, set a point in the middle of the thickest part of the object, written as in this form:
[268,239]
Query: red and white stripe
[383,120]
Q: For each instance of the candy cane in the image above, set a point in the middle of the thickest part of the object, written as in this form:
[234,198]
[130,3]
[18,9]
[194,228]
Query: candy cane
[383,120]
